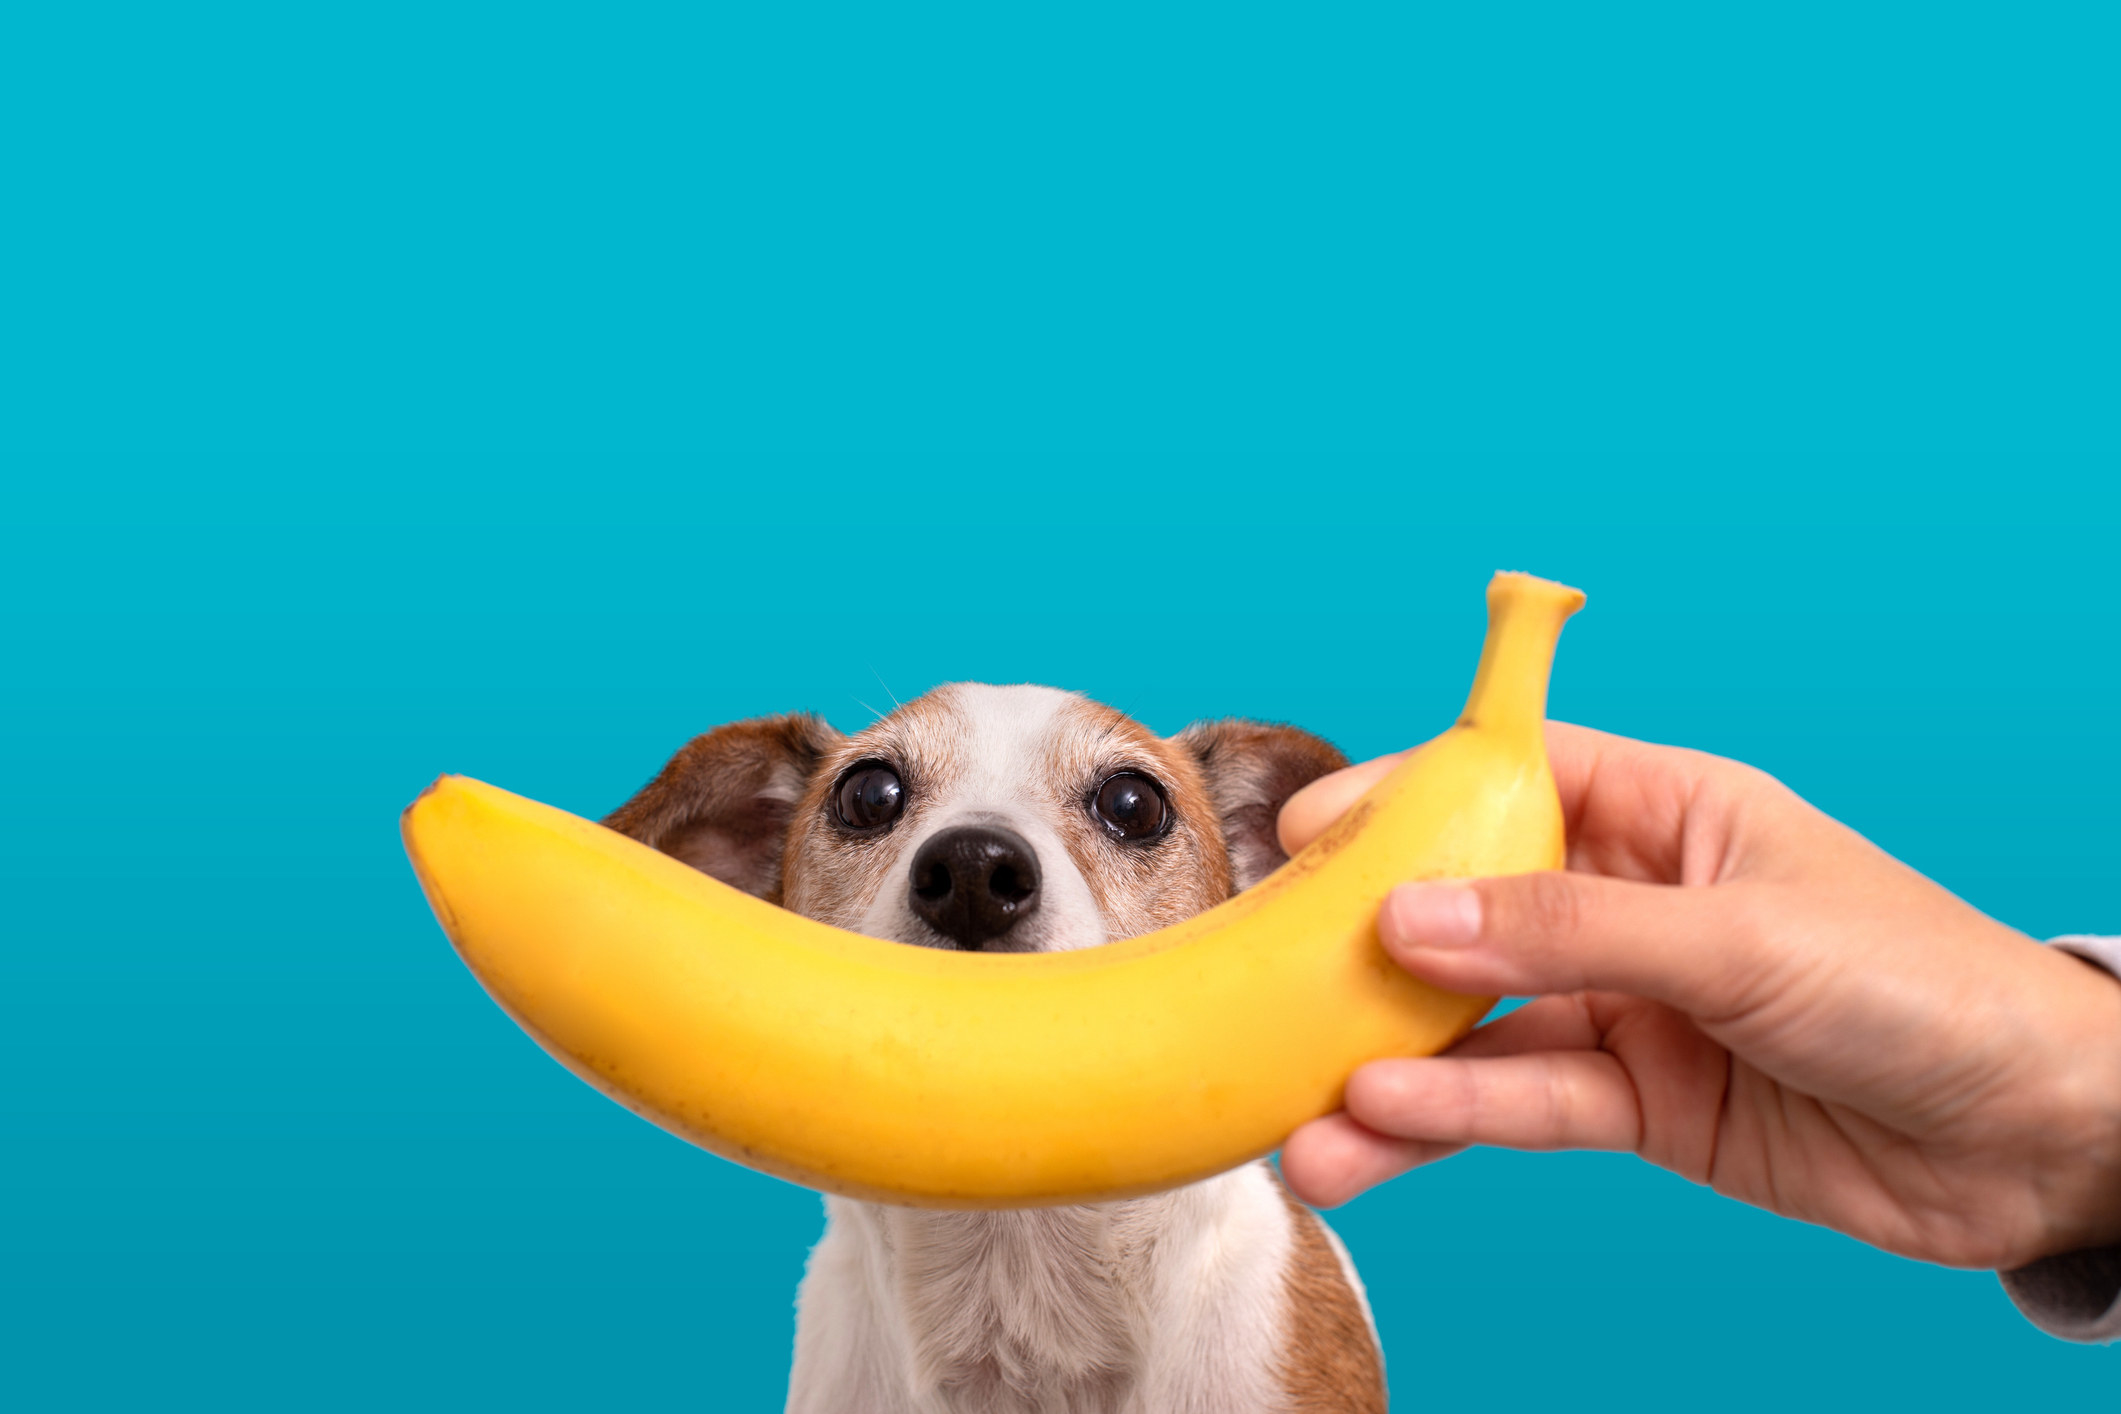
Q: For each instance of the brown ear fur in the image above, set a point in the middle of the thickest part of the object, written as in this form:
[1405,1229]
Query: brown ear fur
[724,802]
[1251,769]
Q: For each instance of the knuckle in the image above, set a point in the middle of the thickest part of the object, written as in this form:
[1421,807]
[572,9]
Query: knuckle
[1760,921]
[1750,919]
[1463,1096]
[1764,796]
[1542,906]
[1560,1104]
[1738,976]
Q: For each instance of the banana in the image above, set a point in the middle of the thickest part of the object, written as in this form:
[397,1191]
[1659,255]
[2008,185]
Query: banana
[979,1080]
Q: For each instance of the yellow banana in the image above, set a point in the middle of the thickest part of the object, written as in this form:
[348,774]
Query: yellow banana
[981,1080]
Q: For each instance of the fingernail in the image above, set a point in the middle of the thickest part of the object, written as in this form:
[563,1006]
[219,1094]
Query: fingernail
[1430,916]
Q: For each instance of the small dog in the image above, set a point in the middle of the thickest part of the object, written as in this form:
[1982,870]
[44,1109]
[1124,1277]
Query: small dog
[1025,819]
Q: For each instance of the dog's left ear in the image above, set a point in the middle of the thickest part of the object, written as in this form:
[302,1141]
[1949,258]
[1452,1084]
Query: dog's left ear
[724,803]
[1251,769]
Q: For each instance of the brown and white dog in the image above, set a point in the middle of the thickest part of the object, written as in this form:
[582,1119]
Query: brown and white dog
[1026,819]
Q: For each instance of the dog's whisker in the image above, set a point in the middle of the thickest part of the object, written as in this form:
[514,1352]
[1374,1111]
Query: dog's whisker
[885,686]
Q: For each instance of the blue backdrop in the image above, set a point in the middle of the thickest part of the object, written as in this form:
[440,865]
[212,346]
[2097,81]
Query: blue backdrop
[515,390]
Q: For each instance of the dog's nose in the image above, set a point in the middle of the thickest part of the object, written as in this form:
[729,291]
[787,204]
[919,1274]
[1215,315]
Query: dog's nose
[974,883]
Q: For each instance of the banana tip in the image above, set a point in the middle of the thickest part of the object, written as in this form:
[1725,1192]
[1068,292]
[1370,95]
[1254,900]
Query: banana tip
[425,791]
[442,912]
[405,815]
[1565,597]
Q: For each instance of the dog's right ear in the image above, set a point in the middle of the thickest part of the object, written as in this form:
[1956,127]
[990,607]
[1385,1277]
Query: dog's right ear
[1251,769]
[724,802]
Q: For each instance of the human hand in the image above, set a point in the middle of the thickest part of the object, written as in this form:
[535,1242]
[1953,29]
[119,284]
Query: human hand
[1744,991]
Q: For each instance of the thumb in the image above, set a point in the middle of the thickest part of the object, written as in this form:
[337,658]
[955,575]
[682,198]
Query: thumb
[1694,948]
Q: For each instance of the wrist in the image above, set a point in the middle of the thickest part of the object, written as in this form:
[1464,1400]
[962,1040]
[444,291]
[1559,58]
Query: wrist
[2085,1194]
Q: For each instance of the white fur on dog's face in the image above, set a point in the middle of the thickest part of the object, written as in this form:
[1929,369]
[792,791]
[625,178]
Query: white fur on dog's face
[1030,760]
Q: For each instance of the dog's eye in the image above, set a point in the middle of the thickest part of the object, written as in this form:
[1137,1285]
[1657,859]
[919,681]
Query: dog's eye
[869,797]
[1131,806]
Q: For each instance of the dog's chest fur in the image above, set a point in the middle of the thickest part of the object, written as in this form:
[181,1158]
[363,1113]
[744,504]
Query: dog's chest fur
[1172,1304]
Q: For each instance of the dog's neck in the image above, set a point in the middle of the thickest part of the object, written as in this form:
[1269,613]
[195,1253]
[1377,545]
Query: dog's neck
[1170,1304]
[1007,1304]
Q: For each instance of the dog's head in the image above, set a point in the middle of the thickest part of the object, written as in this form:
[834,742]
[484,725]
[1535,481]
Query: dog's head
[1005,819]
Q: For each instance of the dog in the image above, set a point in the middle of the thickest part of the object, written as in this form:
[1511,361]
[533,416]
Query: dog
[1027,819]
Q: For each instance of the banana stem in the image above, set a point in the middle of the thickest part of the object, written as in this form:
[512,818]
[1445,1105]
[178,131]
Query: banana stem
[1525,615]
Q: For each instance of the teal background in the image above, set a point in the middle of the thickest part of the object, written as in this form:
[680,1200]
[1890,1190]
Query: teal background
[387,390]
